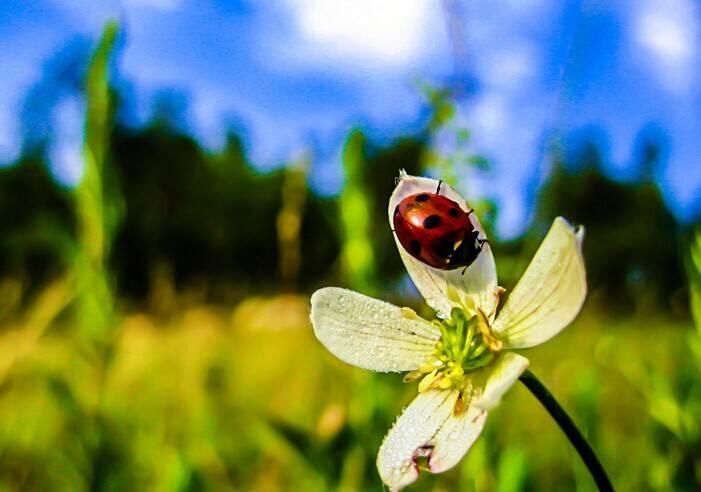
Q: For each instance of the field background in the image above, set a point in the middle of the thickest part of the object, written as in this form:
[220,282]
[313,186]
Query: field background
[154,329]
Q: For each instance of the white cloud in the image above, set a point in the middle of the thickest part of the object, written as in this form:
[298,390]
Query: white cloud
[88,16]
[510,69]
[667,31]
[157,4]
[489,117]
[65,152]
[67,163]
[388,31]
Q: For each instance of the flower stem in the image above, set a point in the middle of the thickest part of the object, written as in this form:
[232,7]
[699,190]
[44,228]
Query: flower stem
[569,428]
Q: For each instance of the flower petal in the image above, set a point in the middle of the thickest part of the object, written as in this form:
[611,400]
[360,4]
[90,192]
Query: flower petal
[428,428]
[369,333]
[444,289]
[550,292]
[497,378]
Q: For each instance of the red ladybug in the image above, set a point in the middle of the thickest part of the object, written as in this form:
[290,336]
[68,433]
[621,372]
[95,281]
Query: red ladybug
[435,230]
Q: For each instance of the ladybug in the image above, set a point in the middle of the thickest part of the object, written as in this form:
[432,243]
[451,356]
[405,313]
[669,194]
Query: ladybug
[435,230]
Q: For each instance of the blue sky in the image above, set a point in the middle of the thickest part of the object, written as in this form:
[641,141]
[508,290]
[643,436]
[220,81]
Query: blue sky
[297,74]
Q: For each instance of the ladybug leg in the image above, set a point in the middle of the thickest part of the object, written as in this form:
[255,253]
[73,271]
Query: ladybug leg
[477,245]
[470,211]
[438,190]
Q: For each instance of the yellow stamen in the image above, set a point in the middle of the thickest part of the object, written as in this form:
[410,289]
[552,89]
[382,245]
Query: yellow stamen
[427,382]
[409,313]
[492,342]
[412,376]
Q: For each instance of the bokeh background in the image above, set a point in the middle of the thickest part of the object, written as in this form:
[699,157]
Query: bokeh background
[177,176]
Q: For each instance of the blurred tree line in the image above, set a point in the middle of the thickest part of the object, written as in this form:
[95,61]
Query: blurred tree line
[633,246]
[203,218]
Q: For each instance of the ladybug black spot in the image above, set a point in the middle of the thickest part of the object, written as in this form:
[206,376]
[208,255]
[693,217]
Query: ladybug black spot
[431,222]
[396,210]
[453,212]
[415,247]
[423,197]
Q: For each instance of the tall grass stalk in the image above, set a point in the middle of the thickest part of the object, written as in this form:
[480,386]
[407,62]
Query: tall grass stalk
[95,220]
[356,210]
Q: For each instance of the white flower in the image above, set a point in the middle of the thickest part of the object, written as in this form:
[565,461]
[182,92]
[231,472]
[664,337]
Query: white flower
[462,358]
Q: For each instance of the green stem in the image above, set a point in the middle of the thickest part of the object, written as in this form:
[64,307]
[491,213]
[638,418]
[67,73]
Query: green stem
[569,428]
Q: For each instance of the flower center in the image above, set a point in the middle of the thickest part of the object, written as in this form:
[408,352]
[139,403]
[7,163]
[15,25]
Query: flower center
[466,344]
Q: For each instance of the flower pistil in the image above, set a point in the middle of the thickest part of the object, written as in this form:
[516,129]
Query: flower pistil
[467,343]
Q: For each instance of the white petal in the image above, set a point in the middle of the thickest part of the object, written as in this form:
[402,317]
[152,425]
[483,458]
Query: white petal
[497,378]
[550,292]
[369,333]
[478,283]
[428,428]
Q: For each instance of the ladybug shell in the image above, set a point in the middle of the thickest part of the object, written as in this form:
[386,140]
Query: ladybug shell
[435,230]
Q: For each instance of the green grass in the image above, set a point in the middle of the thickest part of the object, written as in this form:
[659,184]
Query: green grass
[214,400]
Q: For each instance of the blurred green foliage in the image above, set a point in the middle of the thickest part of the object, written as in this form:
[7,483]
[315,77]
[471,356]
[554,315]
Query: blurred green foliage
[693,269]
[368,256]
[249,400]
[123,365]
[208,220]
[356,214]
[36,224]
[96,205]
